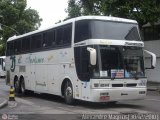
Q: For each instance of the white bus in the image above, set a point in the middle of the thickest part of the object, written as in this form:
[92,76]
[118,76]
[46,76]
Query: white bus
[2,66]
[90,58]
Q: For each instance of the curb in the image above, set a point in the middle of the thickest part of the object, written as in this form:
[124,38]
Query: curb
[4,103]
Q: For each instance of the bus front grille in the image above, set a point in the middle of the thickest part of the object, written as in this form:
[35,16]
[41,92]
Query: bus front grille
[117,85]
[131,85]
[125,85]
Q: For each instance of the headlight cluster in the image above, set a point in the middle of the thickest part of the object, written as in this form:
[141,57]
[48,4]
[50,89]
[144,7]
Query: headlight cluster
[101,85]
[142,83]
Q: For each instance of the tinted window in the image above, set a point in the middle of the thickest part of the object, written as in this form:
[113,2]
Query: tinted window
[59,36]
[49,38]
[82,63]
[17,47]
[114,30]
[25,44]
[97,29]
[67,34]
[8,49]
[64,35]
[12,48]
[82,30]
[36,42]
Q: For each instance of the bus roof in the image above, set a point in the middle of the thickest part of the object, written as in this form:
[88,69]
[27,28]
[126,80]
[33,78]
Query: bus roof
[107,18]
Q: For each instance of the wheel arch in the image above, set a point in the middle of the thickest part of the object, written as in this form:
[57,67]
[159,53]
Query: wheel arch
[15,78]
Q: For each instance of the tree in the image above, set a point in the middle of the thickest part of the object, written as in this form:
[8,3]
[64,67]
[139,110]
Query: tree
[14,16]
[143,11]
[73,9]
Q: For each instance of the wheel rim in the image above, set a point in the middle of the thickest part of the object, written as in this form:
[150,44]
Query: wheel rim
[69,92]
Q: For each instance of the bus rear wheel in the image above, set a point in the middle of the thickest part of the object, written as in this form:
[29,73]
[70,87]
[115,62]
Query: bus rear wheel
[16,86]
[68,93]
[22,87]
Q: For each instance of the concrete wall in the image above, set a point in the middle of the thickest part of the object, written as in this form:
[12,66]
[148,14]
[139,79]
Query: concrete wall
[153,74]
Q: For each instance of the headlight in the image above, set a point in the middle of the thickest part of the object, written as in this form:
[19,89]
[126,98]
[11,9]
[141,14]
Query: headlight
[101,85]
[104,85]
[142,83]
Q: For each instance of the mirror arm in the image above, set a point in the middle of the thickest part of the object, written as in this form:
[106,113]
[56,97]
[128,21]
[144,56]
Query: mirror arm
[153,62]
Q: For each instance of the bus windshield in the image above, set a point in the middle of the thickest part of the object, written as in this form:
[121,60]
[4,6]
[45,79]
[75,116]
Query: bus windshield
[120,62]
[98,29]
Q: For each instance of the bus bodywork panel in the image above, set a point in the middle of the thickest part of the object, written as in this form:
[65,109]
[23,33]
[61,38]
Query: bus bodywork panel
[100,90]
[43,72]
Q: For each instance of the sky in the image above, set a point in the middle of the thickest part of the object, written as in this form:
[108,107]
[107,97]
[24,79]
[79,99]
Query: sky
[51,11]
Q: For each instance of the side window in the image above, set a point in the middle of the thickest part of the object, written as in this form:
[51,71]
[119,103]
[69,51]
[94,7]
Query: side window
[12,45]
[67,34]
[64,35]
[17,46]
[44,43]
[25,44]
[51,38]
[82,30]
[36,42]
[59,36]
[48,39]
[82,63]
[8,49]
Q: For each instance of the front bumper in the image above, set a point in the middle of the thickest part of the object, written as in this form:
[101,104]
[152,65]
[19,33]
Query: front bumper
[117,94]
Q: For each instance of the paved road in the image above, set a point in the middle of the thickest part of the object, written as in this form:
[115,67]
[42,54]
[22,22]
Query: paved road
[48,104]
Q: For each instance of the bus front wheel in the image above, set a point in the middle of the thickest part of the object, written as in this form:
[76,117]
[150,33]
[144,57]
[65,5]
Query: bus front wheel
[68,93]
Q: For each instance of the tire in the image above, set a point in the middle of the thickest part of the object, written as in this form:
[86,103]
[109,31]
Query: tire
[22,87]
[16,86]
[68,93]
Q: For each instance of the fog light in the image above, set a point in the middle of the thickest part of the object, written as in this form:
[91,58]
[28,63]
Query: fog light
[104,85]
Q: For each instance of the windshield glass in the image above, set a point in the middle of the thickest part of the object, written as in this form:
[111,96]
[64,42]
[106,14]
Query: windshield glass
[120,62]
[114,30]
[98,29]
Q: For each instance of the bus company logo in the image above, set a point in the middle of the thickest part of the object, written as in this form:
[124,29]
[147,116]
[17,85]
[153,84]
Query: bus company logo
[13,58]
[4,117]
[133,44]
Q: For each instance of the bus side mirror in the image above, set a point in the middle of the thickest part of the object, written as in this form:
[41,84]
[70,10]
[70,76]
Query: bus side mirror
[93,55]
[153,59]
